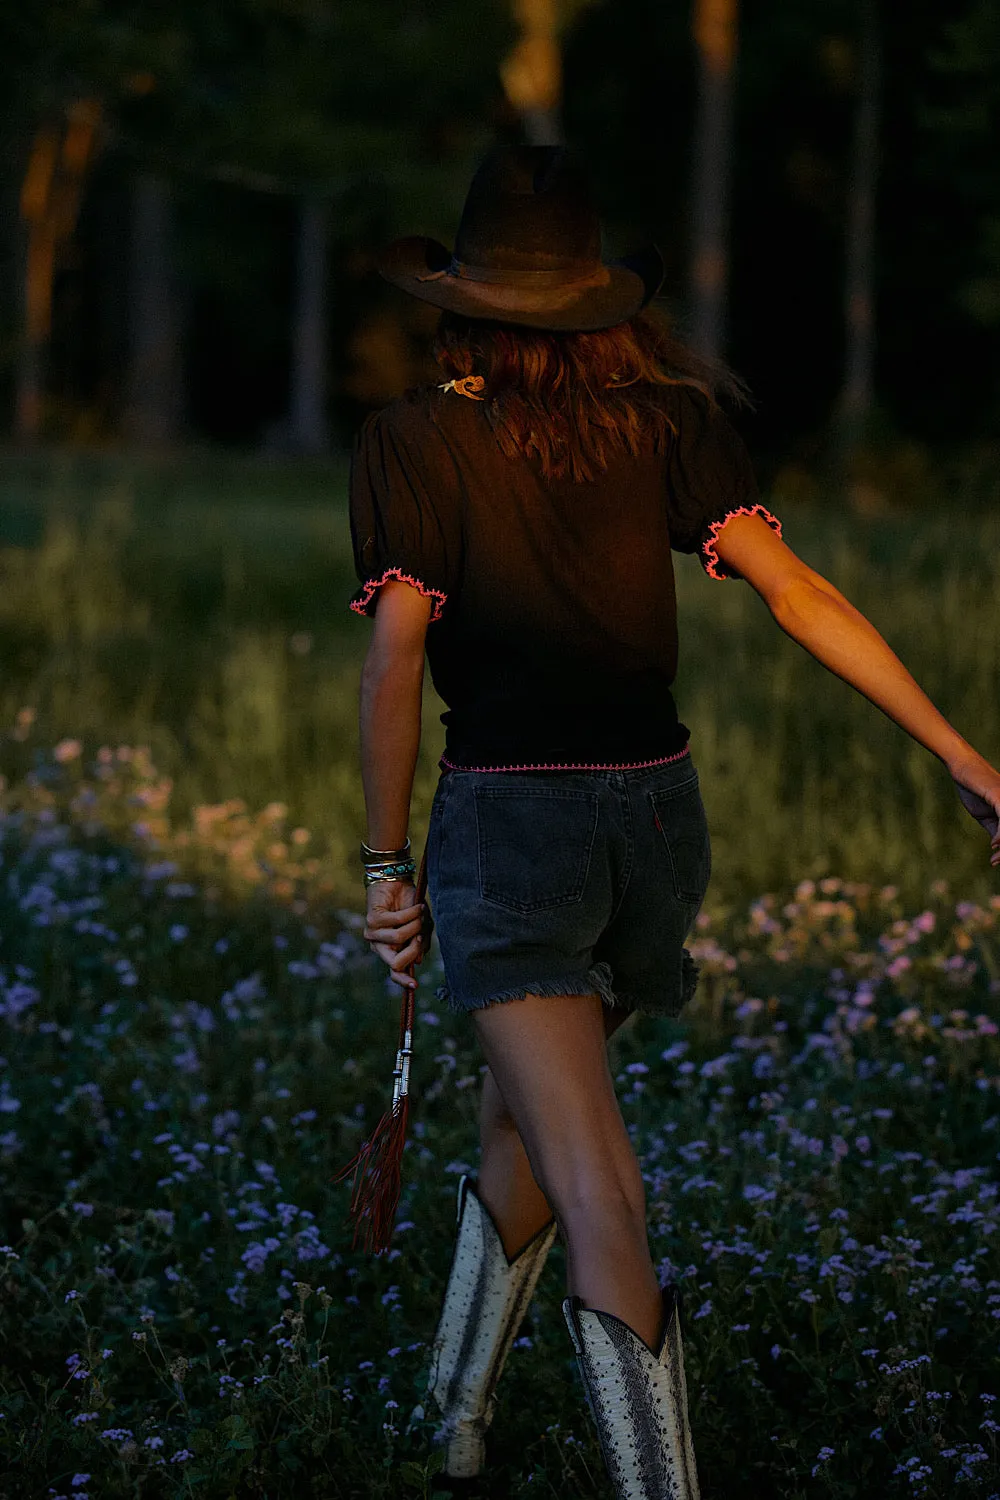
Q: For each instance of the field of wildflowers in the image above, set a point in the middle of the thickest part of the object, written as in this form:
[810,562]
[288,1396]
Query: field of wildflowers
[193,1038]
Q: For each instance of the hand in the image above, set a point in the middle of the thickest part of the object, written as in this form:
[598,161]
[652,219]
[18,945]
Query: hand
[978,786]
[395,927]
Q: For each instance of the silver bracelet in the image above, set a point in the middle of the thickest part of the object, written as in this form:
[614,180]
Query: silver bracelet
[384,856]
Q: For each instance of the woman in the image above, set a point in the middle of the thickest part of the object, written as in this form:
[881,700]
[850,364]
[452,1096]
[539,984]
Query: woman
[518,521]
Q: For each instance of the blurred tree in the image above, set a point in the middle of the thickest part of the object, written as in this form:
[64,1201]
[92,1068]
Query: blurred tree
[629,99]
[304,100]
[937,363]
[857,394]
[532,72]
[308,430]
[714,28]
[154,396]
[51,192]
[629,103]
[247,111]
[964,133]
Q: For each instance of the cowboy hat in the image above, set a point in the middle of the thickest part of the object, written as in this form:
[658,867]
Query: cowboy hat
[527,250]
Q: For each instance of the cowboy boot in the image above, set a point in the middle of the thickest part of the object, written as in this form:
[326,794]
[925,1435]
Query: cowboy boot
[638,1401]
[484,1304]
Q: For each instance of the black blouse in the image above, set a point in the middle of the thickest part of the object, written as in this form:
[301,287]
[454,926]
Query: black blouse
[553,632]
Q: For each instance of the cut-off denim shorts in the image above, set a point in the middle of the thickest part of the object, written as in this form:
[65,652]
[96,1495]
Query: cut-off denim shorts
[568,883]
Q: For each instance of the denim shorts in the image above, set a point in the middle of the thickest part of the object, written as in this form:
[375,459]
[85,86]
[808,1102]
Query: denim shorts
[568,883]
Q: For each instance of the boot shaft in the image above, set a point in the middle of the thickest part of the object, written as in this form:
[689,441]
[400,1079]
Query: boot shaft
[638,1401]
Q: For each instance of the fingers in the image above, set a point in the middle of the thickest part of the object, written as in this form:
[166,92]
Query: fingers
[393,934]
[398,962]
[388,917]
[397,936]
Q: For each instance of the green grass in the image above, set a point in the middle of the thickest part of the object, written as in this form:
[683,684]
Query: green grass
[200,609]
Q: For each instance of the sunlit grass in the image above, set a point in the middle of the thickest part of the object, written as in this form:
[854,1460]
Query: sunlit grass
[202,612]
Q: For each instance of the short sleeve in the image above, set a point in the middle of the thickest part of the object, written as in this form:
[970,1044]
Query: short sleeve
[709,479]
[402,507]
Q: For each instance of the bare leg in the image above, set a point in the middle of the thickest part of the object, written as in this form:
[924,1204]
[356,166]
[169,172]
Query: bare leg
[549,1062]
[506,1183]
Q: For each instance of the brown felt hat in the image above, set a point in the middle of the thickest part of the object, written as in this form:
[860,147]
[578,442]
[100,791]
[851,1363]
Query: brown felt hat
[527,251]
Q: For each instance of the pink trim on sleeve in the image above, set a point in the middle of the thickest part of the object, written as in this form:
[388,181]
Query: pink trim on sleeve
[360,606]
[709,555]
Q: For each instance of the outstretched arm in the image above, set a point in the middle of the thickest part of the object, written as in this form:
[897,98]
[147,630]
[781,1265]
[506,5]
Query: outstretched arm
[813,612]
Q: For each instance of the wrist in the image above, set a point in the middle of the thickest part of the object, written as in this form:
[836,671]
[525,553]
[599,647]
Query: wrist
[962,758]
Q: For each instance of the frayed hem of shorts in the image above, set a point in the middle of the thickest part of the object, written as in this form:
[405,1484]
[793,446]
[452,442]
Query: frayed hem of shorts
[638,1004]
[689,976]
[597,981]
[689,983]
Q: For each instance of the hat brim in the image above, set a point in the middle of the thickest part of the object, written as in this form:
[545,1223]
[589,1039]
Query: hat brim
[616,292]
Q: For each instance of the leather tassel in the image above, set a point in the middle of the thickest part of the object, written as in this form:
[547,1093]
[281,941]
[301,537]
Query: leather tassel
[378,1166]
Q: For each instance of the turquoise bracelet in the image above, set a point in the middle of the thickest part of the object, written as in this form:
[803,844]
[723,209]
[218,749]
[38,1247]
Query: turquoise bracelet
[405,870]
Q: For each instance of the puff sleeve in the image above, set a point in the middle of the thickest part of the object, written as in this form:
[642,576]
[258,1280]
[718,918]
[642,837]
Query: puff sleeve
[709,479]
[402,508]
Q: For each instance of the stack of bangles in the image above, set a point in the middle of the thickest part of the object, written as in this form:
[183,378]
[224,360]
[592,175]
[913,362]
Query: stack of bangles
[387,864]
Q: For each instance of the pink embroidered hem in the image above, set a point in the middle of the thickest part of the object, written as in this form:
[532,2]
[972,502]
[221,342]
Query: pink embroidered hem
[711,556]
[625,765]
[360,606]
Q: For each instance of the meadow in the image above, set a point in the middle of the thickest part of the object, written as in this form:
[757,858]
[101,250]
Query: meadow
[200,609]
[193,1037]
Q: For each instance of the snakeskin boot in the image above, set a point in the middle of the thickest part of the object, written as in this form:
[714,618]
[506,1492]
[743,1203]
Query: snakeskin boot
[638,1401]
[484,1304]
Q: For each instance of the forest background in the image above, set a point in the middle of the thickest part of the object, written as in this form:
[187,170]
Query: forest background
[192,195]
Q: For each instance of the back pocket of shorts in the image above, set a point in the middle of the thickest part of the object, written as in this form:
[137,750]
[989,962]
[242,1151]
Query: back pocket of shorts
[535,845]
[679,814]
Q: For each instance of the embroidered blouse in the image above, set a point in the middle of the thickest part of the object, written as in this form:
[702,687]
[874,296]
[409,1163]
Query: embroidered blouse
[553,634]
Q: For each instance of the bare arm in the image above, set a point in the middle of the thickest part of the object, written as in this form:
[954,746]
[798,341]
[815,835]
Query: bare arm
[391,689]
[392,680]
[813,612]
[840,637]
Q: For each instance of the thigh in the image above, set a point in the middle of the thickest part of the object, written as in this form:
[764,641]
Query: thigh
[494,1114]
[548,1058]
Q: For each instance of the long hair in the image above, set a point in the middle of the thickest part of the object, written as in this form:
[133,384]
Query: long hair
[574,400]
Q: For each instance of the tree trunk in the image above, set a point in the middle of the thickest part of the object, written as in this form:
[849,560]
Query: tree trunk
[307,424]
[532,74]
[714,25]
[857,393]
[38,245]
[153,408]
[51,192]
